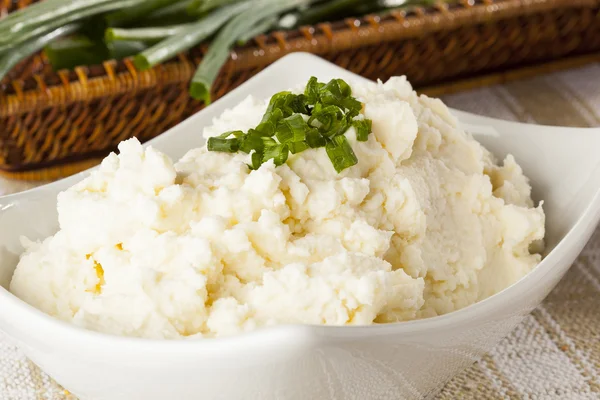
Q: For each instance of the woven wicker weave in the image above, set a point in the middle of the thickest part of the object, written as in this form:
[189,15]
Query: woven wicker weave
[55,124]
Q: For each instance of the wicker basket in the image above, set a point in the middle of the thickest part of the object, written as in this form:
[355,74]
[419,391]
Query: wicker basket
[55,124]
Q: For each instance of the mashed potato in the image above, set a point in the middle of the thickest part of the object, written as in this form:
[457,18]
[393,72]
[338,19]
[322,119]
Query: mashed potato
[426,223]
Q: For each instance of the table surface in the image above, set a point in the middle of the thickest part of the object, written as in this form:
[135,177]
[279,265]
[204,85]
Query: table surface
[554,353]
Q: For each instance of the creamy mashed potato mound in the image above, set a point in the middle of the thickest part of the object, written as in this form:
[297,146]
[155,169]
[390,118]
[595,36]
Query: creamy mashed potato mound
[426,223]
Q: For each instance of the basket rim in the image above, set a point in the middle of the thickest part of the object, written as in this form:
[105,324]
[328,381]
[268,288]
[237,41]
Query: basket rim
[121,77]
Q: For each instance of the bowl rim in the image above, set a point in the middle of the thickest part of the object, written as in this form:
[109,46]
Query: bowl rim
[53,327]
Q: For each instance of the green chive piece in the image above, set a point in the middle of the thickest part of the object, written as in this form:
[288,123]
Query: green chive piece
[298,147]
[312,91]
[269,122]
[227,134]
[340,153]
[326,116]
[268,142]
[292,129]
[314,139]
[363,128]
[337,92]
[252,141]
[277,101]
[223,145]
[293,123]
[257,159]
[279,153]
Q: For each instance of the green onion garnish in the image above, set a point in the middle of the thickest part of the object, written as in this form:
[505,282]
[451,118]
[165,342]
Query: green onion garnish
[363,128]
[292,129]
[279,153]
[256,159]
[223,145]
[298,147]
[340,153]
[296,122]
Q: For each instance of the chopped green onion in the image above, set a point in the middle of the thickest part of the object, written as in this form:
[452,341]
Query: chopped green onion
[269,122]
[252,141]
[278,153]
[277,103]
[296,122]
[363,128]
[292,129]
[268,142]
[225,135]
[327,117]
[336,93]
[314,139]
[223,145]
[298,147]
[339,128]
[311,93]
[340,153]
[257,159]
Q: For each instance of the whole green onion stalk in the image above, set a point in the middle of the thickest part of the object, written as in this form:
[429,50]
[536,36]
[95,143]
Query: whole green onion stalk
[235,29]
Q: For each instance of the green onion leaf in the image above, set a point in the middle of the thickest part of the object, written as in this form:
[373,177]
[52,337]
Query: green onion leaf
[269,122]
[223,145]
[225,135]
[337,92]
[344,88]
[298,147]
[252,141]
[340,153]
[352,105]
[363,128]
[326,116]
[279,153]
[314,139]
[331,93]
[277,102]
[268,142]
[256,158]
[339,127]
[292,129]
[266,128]
[272,114]
[295,104]
[311,92]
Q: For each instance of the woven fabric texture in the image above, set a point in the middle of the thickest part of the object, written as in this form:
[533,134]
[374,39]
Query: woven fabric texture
[553,354]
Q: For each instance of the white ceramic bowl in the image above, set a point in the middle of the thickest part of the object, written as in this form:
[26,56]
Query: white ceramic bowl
[397,361]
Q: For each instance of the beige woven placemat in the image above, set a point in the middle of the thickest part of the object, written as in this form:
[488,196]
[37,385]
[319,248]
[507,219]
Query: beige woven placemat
[554,354]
